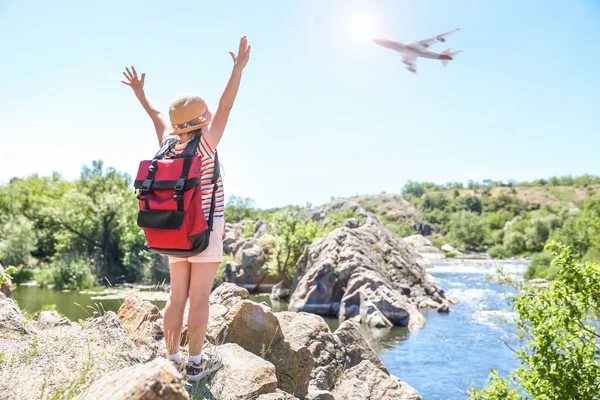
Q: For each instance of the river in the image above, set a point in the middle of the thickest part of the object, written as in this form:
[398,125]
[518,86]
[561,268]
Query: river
[442,361]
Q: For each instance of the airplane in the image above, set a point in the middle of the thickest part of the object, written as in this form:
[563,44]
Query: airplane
[410,52]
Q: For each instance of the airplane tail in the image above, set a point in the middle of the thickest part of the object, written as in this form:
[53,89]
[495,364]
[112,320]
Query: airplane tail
[448,55]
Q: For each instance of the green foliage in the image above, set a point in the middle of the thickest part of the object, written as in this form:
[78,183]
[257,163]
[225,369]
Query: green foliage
[498,389]
[467,230]
[495,220]
[19,241]
[220,277]
[541,266]
[498,252]
[7,274]
[69,271]
[248,230]
[434,201]
[240,208]
[469,203]
[515,242]
[413,189]
[450,254]
[561,359]
[284,246]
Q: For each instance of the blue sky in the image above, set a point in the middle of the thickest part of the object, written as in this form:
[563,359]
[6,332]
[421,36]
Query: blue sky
[322,111]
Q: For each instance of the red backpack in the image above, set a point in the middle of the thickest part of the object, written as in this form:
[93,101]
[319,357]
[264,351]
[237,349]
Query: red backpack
[170,201]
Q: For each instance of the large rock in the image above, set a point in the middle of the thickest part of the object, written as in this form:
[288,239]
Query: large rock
[243,375]
[11,318]
[357,349]
[424,247]
[5,288]
[277,395]
[256,329]
[280,292]
[157,379]
[138,318]
[350,269]
[366,381]
[49,320]
[64,358]
[310,331]
[248,265]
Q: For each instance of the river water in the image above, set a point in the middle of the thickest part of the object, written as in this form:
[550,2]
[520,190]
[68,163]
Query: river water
[442,361]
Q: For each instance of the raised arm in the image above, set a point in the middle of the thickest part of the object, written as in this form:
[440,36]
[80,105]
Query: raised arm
[215,132]
[158,118]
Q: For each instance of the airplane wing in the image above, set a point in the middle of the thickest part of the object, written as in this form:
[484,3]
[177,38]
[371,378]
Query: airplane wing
[411,62]
[439,38]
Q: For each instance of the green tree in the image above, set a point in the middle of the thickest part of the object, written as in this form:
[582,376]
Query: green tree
[495,220]
[413,189]
[434,201]
[468,230]
[284,246]
[561,358]
[19,241]
[240,208]
[515,242]
[469,203]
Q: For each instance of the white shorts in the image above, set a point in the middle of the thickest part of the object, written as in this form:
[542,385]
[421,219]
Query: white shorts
[214,252]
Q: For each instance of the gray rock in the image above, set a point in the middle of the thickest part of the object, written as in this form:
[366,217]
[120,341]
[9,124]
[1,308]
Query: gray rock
[356,347]
[256,329]
[243,375]
[449,249]
[11,317]
[443,309]
[424,247]
[157,379]
[320,395]
[49,320]
[310,331]
[228,294]
[277,395]
[338,273]
[138,317]
[366,381]
[352,223]
[5,288]
[280,292]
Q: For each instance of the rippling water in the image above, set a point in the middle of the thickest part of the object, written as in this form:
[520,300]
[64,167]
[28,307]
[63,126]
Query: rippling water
[442,361]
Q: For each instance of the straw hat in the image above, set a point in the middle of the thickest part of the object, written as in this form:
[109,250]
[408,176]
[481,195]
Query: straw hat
[188,112]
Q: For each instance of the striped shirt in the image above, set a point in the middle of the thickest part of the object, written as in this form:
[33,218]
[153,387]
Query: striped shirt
[207,171]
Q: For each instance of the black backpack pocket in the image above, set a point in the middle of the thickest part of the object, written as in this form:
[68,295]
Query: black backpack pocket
[169,220]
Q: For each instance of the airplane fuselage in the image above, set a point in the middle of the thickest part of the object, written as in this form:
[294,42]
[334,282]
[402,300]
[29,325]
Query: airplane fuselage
[411,51]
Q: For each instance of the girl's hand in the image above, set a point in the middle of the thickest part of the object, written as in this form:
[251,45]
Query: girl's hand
[133,81]
[243,55]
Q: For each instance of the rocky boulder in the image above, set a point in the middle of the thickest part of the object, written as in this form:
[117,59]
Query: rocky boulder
[243,375]
[310,331]
[424,247]
[357,349]
[5,288]
[280,292]
[157,379]
[139,318]
[365,271]
[11,318]
[366,381]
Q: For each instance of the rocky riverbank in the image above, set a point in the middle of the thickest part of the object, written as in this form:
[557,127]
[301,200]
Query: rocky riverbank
[266,355]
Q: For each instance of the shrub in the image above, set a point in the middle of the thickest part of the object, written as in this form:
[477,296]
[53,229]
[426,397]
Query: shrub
[469,203]
[561,359]
[495,220]
[540,266]
[468,230]
[68,272]
[450,254]
[18,241]
[498,252]
[434,201]
[515,242]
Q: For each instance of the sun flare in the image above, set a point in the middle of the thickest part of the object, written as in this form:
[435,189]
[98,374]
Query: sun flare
[360,26]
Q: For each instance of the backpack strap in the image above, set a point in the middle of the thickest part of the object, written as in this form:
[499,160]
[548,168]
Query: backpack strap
[188,153]
[166,146]
[214,181]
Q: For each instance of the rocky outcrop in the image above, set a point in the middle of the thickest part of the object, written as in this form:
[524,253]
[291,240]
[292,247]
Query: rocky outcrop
[424,247]
[5,288]
[49,320]
[243,375]
[365,271]
[139,318]
[11,318]
[280,292]
[357,349]
[366,381]
[157,379]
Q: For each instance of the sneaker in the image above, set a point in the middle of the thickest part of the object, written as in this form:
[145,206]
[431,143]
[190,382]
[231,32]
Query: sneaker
[210,364]
[177,365]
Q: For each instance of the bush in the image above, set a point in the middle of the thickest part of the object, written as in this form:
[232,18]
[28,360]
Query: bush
[495,220]
[561,359]
[239,208]
[399,228]
[68,272]
[434,201]
[540,266]
[499,252]
[413,189]
[450,254]
[469,203]
[515,242]
[468,230]
[18,241]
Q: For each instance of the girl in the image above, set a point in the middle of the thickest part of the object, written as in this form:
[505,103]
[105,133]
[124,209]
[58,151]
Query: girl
[192,278]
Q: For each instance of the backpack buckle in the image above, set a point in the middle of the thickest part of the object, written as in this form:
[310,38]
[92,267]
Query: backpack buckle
[180,184]
[146,185]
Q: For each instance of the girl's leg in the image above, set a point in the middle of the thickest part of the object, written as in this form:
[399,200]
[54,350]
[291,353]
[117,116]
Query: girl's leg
[201,281]
[178,295]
